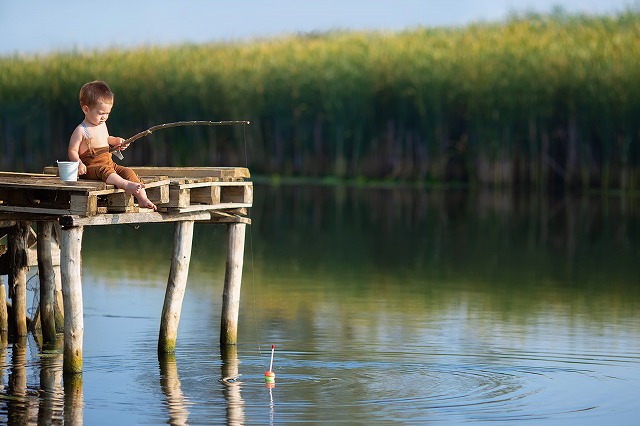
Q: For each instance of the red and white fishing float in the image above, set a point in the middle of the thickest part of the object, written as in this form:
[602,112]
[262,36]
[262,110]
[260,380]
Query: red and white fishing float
[269,375]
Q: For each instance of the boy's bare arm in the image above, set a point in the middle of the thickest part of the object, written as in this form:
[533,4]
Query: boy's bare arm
[74,147]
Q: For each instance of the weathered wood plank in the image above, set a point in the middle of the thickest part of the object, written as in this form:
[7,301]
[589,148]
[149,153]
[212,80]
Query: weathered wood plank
[36,181]
[203,207]
[194,172]
[227,172]
[179,197]
[86,205]
[158,194]
[205,195]
[237,194]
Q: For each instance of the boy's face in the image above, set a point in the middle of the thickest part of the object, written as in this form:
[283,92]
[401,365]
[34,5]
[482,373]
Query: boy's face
[98,113]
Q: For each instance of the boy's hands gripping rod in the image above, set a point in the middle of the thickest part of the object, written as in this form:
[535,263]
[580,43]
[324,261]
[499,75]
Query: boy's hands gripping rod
[115,149]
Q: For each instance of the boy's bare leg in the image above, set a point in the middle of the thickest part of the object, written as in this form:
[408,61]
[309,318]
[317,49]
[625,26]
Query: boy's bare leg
[132,188]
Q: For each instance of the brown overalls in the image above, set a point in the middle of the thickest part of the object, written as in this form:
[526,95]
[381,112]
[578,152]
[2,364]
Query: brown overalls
[99,163]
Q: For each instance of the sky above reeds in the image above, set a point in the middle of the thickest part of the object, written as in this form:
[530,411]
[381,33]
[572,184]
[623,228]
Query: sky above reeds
[38,26]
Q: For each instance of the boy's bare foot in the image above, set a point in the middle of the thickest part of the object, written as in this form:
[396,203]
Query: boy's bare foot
[132,188]
[144,201]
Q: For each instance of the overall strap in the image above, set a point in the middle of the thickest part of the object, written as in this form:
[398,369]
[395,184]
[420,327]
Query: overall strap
[88,139]
[86,130]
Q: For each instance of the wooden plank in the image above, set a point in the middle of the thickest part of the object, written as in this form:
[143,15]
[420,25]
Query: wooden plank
[158,194]
[143,217]
[191,183]
[205,195]
[22,174]
[119,202]
[203,207]
[84,205]
[237,194]
[178,197]
[48,182]
[194,172]
[33,210]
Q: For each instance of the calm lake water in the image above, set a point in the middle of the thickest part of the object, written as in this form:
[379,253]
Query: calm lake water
[384,305]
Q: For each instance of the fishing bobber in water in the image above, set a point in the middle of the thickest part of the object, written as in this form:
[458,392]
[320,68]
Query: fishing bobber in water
[269,375]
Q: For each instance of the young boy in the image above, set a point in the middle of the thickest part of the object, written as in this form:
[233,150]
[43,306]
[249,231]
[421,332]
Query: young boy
[90,143]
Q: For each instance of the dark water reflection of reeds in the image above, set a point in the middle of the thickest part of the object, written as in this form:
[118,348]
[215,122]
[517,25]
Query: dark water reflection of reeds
[479,306]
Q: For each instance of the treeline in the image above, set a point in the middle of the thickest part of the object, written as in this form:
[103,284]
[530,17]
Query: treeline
[538,101]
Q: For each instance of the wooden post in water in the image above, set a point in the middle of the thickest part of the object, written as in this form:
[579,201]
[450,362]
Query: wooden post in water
[71,271]
[232,283]
[4,318]
[57,295]
[17,245]
[176,286]
[47,282]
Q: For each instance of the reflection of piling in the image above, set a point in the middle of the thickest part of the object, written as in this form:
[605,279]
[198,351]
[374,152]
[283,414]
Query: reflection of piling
[51,385]
[232,283]
[176,286]
[73,400]
[231,391]
[170,383]
[18,408]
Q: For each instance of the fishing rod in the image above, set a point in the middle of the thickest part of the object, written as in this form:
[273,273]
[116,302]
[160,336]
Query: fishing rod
[115,149]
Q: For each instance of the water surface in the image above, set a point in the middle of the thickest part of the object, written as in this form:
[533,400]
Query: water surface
[385,305]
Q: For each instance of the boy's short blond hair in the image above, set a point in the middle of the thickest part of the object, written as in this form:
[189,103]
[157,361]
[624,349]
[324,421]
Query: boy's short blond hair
[95,92]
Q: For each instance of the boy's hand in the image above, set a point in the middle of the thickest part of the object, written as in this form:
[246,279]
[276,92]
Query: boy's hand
[119,144]
[82,169]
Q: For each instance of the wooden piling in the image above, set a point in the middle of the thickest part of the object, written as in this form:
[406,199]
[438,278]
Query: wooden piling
[4,317]
[47,282]
[176,286]
[58,303]
[71,270]
[17,244]
[232,283]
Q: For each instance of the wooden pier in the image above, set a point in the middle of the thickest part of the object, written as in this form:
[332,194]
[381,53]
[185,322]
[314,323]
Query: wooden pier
[185,196]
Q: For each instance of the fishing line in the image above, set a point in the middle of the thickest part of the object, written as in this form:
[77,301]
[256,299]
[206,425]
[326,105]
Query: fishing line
[253,269]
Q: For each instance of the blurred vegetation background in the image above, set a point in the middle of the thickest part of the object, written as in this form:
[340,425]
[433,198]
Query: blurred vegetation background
[537,102]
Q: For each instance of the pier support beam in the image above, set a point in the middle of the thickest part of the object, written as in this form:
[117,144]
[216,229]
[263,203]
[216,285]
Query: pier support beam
[4,318]
[232,283]
[176,286]
[71,271]
[47,282]
[17,245]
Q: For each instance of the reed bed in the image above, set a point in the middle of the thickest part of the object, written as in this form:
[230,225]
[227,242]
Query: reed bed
[537,101]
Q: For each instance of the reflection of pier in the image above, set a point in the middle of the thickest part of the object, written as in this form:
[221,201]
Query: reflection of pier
[184,196]
[170,383]
[230,379]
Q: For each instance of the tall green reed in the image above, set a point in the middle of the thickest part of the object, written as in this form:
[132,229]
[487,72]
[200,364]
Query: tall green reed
[537,101]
